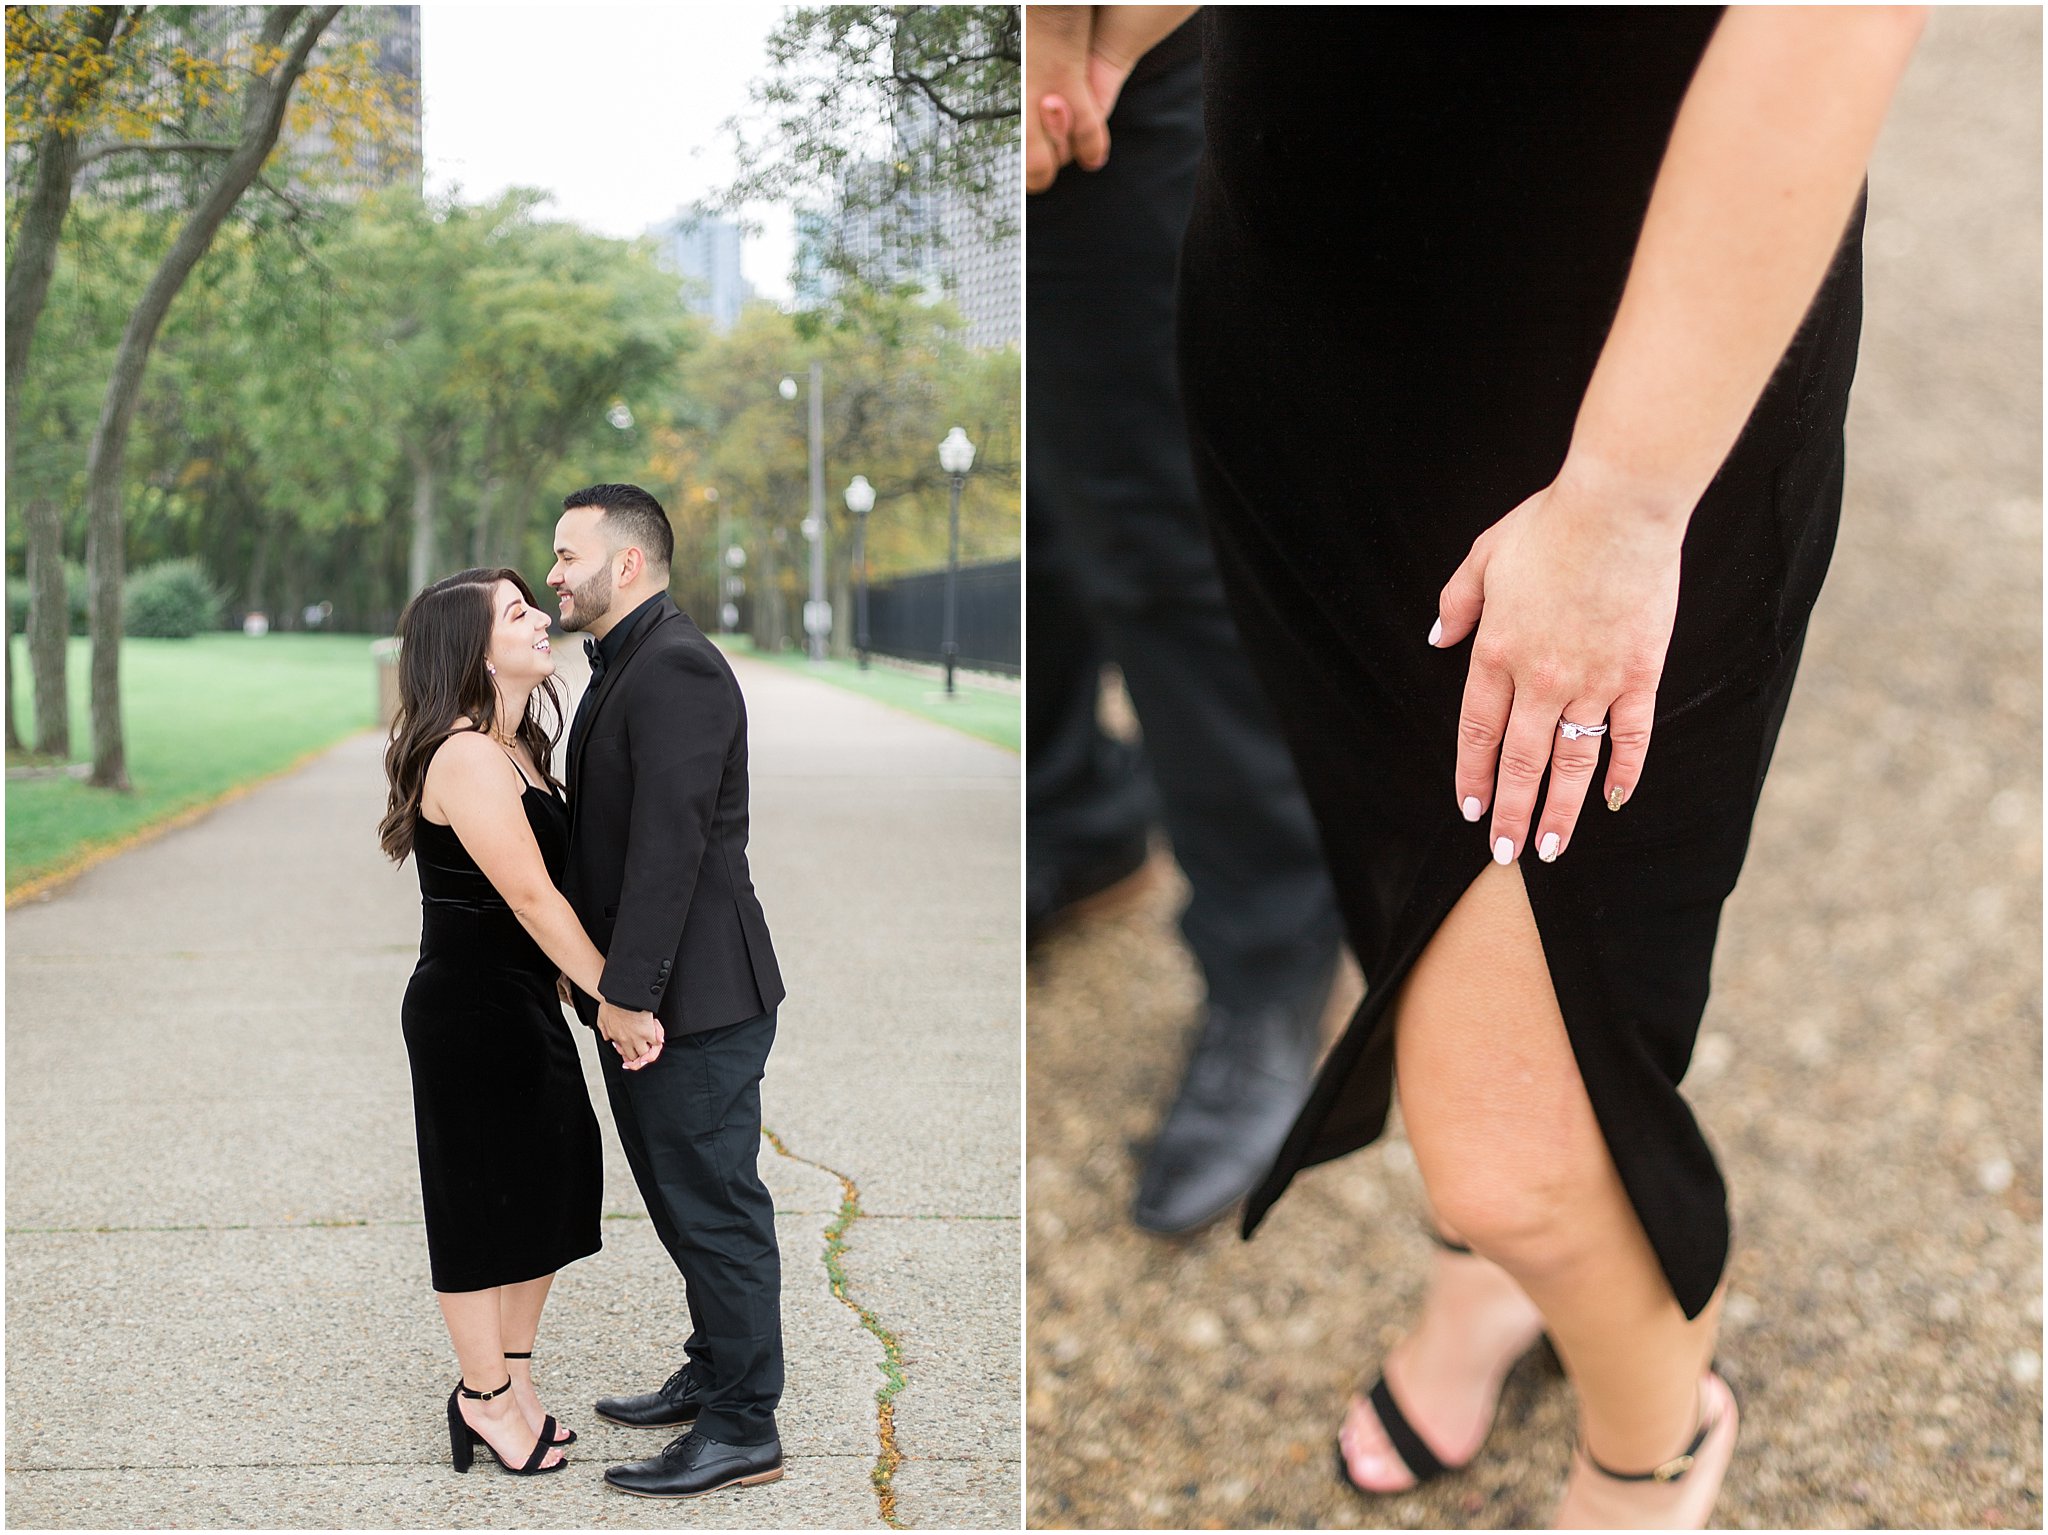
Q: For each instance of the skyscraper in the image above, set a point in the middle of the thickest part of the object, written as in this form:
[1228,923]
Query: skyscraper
[706,250]
[943,237]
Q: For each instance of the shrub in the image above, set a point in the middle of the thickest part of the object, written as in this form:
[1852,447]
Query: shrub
[170,601]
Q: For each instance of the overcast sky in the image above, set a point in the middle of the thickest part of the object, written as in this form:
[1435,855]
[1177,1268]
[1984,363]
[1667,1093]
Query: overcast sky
[614,109]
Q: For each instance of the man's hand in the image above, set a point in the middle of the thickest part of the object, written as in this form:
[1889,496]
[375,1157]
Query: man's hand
[1061,119]
[1076,59]
[637,1037]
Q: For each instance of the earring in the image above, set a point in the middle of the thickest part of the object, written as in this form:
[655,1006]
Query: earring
[490,668]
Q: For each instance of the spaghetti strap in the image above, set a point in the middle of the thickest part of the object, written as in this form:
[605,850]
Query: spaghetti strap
[478,731]
[515,764]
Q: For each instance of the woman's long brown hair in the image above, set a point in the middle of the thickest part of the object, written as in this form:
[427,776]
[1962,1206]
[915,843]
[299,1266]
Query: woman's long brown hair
[444,642]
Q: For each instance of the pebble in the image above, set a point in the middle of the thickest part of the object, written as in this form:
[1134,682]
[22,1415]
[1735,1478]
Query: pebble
[1994,1175]
[2024,1364]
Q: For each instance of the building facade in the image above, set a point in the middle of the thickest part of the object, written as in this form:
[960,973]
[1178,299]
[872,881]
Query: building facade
[705,250]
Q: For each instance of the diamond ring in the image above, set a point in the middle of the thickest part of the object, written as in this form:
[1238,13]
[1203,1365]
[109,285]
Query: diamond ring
[1573,732]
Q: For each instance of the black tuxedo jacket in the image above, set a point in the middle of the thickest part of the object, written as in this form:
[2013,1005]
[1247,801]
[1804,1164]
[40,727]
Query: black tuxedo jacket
[658,834]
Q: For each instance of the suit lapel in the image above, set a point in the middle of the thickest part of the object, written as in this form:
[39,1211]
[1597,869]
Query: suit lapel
[661,615]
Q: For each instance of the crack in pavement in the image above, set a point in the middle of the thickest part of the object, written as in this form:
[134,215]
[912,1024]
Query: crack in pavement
[889,1458]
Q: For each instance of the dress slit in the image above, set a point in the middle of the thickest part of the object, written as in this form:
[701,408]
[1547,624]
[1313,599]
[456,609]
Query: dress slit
[1674,1187]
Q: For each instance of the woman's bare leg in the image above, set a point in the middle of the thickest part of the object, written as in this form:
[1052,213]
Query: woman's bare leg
[476,1326]
[1515,1164]
[519,1308]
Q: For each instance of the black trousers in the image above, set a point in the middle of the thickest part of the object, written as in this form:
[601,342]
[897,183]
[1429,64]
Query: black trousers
[691,1126]
[1119,568]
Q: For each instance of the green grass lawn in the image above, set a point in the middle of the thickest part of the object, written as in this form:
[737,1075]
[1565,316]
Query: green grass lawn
[202,716]
[989,713]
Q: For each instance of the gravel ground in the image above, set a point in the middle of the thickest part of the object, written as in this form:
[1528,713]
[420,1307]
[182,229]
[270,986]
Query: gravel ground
[1869,1066]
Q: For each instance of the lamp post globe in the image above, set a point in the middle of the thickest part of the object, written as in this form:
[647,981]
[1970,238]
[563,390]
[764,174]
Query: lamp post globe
[956,457]
[860,500]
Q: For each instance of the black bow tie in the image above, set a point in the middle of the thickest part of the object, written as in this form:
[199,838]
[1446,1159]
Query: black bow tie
[595,651]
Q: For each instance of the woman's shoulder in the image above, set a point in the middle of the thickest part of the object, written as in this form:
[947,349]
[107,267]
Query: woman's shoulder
[464,752]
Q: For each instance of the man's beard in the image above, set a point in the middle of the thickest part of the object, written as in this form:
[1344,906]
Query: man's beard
[589,602]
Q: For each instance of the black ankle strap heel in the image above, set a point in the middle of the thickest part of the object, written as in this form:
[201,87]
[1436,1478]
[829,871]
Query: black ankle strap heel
[1672,1469]
[463,1440]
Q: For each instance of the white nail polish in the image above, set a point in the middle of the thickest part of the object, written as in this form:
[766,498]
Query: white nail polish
[1547,848]
[1504,850]
[1471,807]
[1436,631]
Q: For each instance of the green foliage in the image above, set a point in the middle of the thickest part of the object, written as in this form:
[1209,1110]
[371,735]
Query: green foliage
[169,601]
[301,387]
[733,466]
[76,590]
[877,110]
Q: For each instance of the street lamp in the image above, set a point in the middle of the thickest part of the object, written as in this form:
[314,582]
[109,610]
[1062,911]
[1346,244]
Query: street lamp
[734,587]
[860,500]
[956,457]
[817,612]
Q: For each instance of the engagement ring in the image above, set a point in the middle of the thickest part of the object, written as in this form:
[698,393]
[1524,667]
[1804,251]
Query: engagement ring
[1573,732]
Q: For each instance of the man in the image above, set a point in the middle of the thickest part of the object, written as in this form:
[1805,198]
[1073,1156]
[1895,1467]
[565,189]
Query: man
[1120,568]
[657,774]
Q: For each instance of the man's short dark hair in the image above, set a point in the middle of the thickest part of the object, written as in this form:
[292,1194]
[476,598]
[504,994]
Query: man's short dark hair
[631,517]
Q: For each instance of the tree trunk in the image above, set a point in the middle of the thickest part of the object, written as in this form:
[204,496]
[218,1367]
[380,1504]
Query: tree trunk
[31,262]
[14,741]
[262,116]
[420,568]
[258,586]
[480,543]
[49,627]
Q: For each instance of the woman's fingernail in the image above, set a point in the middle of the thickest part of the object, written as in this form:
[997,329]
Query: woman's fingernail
[1472,808]
[1615,799]
[1436,631]
[1547,848]
[1504,850]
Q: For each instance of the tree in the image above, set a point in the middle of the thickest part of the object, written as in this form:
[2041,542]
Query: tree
[878,110]
[166,107]
[896,377]
[279,58]
[58,64]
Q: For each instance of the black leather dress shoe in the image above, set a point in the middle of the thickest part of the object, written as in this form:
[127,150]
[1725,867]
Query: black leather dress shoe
[674,1405]
[1245,1082]
[693,1465]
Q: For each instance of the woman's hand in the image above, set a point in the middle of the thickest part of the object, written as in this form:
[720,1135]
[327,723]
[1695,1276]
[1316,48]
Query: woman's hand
[1573,595]
[638,1037]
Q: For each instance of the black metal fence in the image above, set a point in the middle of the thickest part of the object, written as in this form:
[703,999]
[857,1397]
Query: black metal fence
[907,616]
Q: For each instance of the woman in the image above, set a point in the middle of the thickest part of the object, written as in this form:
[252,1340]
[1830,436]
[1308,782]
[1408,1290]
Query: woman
[1446,264]
[510,1168]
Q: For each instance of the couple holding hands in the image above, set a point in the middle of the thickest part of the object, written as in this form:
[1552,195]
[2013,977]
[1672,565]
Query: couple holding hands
[625,892]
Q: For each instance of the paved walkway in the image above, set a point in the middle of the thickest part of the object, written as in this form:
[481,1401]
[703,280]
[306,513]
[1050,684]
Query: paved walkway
[1869,1066]
[217,1301]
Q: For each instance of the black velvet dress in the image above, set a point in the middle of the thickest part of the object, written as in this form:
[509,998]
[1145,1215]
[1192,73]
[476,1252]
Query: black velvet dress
[511,1166]
[1411,230]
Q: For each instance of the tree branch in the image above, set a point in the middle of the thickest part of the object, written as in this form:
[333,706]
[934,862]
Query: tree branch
[157,147]
[970,115]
